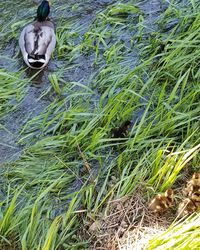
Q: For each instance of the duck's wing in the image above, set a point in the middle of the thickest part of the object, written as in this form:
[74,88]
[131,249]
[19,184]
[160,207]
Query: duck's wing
[26,45]
[52,43]
[45,42]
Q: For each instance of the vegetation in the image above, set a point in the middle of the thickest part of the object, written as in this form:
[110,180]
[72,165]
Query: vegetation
[122,113]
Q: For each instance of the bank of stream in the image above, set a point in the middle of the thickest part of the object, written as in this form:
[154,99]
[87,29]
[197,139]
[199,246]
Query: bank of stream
[98,124]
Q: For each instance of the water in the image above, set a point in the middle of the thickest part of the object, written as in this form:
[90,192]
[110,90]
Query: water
[33,104]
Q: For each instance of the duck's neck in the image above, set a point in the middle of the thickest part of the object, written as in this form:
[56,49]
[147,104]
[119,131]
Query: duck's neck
[43,11]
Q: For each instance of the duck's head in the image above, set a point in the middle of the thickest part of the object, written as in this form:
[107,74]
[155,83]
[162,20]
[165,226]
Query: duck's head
[43,11]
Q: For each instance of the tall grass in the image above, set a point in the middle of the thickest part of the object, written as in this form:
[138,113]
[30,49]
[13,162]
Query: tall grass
[71,163]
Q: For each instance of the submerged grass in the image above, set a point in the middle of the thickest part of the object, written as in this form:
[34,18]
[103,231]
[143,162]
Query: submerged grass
[77,153]
[12,91]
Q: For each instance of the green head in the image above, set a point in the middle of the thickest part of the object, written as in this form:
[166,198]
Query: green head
[43,11]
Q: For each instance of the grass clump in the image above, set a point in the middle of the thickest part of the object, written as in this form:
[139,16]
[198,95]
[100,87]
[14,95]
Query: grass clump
[184,235]
[78,153]
[12,90]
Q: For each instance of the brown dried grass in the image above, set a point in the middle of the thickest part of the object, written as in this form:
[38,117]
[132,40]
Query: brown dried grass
[126,224]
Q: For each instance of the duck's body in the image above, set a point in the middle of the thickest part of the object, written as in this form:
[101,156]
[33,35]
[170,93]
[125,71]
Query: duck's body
[162,201]
[37,40]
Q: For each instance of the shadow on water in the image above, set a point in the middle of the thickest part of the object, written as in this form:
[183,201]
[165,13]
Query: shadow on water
[10,60]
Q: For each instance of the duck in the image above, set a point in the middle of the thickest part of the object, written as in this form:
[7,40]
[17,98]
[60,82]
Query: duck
[37,40]
[186,207]
[192,201]
[162,201]
[193,185]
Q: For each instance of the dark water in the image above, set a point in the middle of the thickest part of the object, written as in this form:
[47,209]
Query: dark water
[33,104]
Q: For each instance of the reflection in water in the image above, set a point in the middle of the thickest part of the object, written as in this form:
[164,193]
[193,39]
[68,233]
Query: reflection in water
[35,76]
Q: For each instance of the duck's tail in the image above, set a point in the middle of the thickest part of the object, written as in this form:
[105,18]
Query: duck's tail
[36,61]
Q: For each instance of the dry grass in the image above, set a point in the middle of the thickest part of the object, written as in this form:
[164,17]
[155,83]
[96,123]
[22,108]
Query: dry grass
[126,224]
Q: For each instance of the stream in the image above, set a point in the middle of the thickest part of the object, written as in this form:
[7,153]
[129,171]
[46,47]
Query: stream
[34,101]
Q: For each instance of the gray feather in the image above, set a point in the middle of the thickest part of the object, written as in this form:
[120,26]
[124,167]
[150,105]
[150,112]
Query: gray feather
[37,39]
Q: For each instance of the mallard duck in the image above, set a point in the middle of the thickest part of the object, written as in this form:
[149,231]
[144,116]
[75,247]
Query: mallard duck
[162,201]
[37,40]
[186,207]
[193,185]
